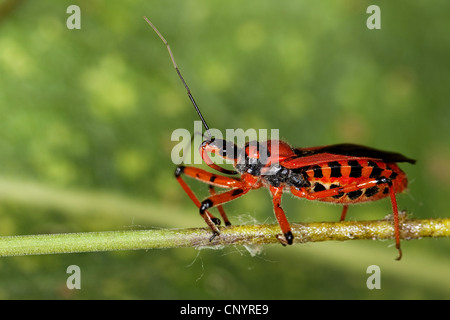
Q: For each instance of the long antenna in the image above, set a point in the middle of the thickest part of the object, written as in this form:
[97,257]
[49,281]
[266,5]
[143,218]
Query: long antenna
[181,77]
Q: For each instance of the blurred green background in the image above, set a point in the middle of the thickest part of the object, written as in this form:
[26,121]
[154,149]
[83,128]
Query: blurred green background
[86,118]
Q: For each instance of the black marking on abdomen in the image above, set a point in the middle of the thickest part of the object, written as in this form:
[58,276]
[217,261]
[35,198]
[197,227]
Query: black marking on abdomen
[376,170]
[354,194]
[371,191]
[319,187]
[335,169]
[356,169]
[317,171]
[393,175]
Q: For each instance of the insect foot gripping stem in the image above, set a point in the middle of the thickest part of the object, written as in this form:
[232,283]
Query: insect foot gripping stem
[289,237]
[286,239]
[212,222]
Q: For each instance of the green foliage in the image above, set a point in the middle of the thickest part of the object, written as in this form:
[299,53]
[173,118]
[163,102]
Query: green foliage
[87,115]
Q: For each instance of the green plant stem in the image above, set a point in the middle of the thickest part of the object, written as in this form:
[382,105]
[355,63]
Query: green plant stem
[200,237]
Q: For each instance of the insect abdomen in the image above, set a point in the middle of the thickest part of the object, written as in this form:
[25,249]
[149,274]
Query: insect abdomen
[336,174]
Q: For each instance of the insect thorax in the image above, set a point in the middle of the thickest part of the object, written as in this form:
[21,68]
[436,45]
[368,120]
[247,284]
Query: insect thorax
[274,175]
[278,175]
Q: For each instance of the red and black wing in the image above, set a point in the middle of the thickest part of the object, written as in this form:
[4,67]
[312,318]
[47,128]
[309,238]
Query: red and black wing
[341,152]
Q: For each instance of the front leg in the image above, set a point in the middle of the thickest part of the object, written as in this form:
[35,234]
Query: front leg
[217,199]
[220,208]
[211,179]
[240,187]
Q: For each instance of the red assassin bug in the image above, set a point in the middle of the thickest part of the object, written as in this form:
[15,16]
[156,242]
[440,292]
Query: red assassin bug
[343,174]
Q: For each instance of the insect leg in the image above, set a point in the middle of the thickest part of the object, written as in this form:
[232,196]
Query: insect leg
[288,237]
[339,190]
[211,179]
[344,212]
[220,198]
[396,222]
[208,177]
[210,220]
[212,191]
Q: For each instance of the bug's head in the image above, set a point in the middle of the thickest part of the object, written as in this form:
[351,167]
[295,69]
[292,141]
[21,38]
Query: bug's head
[225,149]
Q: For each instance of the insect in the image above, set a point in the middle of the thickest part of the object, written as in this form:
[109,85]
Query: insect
[343,174]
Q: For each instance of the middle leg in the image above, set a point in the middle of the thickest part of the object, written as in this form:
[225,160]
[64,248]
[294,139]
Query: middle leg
[211,179]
